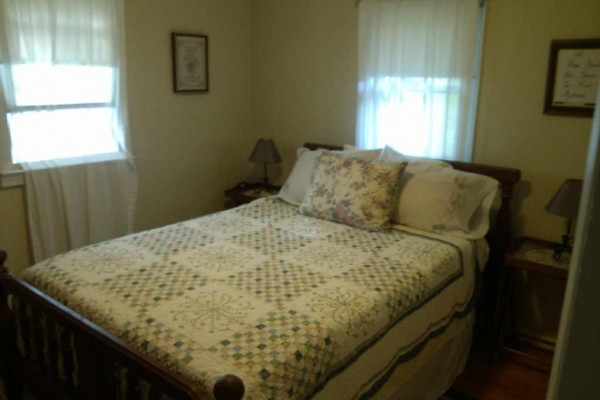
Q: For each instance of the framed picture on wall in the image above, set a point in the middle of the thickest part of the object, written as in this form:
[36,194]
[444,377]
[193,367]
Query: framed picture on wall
[573,77]
[190,62]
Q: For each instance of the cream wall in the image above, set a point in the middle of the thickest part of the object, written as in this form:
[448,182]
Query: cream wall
[13,229]
[188,148]
[305,72]
[511,128]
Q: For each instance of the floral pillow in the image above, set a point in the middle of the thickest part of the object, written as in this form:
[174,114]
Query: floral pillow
[295,186]
[352,191]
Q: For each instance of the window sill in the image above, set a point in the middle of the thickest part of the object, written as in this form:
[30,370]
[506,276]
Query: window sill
[11,179]
[16,178]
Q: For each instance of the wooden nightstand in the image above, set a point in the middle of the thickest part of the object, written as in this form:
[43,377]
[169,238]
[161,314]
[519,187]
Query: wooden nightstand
[245,192]
[527,254]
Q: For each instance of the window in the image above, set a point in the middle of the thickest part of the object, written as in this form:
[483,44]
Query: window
[419,76]
[61,80]
[60,112]
[416,105]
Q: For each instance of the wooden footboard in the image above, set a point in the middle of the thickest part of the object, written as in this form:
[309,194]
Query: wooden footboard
[59,354]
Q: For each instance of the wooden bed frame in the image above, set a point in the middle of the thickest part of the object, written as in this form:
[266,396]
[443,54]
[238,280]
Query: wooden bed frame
[105,367]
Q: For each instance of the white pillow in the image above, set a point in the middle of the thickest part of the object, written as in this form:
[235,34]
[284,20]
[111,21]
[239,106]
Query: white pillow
[418,163]
[295,186]
[435,197]
[373,154]
[444,200]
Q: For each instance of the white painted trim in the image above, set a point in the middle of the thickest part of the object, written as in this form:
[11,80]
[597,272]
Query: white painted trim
[12,179]
[16,178]
[575,370]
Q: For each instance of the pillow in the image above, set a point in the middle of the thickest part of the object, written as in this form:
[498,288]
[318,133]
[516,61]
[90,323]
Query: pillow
[419,163]
[419,203]
[352,191]
[445,200]
[373,154]
[295,186]
[480,221]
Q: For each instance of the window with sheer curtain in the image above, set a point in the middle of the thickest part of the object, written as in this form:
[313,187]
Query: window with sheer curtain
[61,79]
[418,75]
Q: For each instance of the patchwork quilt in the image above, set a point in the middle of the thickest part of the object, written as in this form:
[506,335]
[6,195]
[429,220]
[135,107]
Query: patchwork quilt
[284,301]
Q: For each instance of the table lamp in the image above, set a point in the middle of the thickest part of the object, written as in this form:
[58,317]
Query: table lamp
[565,203]
[265,152]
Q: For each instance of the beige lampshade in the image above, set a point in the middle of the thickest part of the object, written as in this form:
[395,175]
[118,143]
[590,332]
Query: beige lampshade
[565,201]
[265,152]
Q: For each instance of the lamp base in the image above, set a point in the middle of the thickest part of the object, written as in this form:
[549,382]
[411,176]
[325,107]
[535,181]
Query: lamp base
[265,177]
[565,246]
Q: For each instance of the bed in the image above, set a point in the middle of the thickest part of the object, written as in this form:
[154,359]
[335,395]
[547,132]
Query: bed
[259,301]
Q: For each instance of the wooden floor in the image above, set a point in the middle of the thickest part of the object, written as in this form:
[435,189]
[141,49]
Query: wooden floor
[507,379]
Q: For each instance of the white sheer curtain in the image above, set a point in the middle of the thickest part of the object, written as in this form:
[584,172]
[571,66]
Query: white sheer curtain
[72,206]
[64,90]
[418,67]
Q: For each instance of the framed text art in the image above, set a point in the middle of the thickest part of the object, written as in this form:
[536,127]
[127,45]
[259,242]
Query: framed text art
[190,62]
[573,77]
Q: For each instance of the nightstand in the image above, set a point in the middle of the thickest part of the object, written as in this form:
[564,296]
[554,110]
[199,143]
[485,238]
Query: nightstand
[534,255]
[245,192]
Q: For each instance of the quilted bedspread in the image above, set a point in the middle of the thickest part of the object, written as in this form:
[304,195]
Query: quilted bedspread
[284,301]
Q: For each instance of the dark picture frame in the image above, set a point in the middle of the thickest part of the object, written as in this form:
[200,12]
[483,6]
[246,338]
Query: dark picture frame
[573,77]
[190,62]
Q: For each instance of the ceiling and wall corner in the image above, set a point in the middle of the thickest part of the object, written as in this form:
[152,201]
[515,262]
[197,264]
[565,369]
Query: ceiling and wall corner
[305,72]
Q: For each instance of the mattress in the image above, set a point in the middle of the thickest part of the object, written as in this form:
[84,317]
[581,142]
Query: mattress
[295,306]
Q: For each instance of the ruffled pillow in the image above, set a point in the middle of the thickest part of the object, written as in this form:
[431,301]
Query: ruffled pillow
[352,191]
[447,201]
[434,197]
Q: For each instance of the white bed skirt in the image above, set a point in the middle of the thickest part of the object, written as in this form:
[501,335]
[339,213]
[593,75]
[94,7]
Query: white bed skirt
[431,373]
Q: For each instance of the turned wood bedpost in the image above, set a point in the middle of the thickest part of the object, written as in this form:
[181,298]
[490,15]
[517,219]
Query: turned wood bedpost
[7,342]
[502,237]
[228,387]
[503,229]
[4,316]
